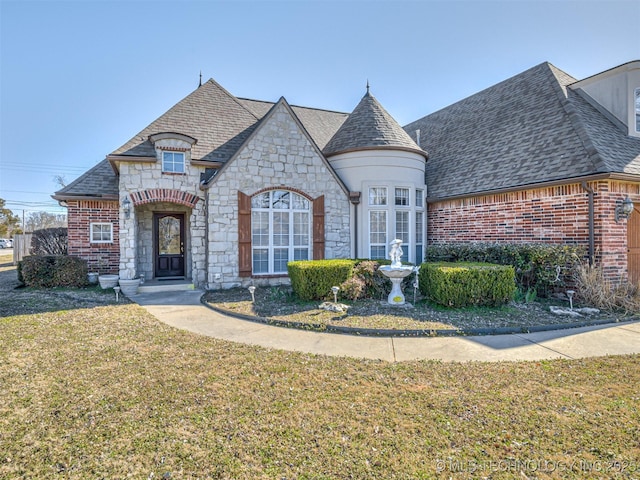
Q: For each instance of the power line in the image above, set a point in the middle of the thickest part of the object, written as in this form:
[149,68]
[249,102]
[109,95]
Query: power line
[35,204]
[24,191]
[44,169]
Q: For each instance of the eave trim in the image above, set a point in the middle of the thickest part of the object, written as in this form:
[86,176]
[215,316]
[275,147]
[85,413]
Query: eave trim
[627,177]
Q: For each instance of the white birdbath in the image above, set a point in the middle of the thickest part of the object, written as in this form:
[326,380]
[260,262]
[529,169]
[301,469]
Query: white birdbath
[396,272]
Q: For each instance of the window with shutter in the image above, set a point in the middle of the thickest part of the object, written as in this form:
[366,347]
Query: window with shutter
[275,227]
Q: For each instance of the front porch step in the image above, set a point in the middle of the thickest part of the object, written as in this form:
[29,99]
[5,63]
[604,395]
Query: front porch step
[154,287]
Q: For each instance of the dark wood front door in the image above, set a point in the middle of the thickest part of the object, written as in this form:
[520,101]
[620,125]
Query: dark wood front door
[169,244]
[633,246]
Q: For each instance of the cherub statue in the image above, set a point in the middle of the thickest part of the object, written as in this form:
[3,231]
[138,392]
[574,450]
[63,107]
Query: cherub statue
[396,253]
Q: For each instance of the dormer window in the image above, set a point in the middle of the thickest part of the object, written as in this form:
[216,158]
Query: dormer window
[172,162]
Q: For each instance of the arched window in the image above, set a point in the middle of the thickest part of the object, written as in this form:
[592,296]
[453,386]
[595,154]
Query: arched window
[280,231]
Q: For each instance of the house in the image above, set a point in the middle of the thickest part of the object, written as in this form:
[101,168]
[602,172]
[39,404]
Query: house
[541,157]
[225,191]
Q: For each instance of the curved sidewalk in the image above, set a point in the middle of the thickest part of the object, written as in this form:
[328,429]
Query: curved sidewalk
[185,311]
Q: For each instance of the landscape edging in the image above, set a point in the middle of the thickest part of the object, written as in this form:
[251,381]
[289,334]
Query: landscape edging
[374,332]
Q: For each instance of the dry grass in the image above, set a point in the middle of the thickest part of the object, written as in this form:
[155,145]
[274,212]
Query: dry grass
[594,289]
[109,392]
[279,304]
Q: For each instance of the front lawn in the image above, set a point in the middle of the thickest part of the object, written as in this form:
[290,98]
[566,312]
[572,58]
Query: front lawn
[110,392]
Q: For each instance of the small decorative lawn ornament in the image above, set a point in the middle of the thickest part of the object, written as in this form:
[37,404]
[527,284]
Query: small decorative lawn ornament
[335,293]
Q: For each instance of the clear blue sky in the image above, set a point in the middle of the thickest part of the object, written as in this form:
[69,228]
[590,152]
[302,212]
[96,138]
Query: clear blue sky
[79,78]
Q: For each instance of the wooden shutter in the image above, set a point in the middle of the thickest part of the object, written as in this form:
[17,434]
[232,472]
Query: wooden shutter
[244,234]
[318,228]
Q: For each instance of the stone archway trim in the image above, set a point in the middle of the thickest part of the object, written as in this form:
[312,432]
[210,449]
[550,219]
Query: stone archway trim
[155,195]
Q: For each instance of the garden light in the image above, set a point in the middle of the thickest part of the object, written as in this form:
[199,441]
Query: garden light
[335,294]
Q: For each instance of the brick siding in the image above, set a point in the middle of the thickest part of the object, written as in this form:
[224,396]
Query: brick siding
[101,257]
[555,215]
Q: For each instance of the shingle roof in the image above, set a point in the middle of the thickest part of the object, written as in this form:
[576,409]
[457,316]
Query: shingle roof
[321,124]
[525,130]
[210,114]
[370,126]
[218,121]
[100,181]
[616,151]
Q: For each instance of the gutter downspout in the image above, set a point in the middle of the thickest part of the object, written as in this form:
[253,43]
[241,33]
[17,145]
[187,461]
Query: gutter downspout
[590,192]
[205,188]
[354,198]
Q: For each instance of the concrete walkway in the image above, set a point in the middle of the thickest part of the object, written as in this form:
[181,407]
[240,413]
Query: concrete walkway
[185,311]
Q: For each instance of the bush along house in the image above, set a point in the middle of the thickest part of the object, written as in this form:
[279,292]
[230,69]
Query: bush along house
[224,191]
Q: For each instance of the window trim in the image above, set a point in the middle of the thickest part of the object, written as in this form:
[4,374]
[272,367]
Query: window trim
[271,247]
[174,153]
[101,224]
[370,244]
[410,211]
[370,199]
[407,199]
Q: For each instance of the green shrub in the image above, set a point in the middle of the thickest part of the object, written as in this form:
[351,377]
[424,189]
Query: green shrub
[49,241]
[47,271]
[368,282]
[313,279]
[544,268]
[467,284]
[353,288]
[19,271]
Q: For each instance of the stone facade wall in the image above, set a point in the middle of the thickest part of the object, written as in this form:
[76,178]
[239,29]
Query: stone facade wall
[279,155]
[556,215]
[136,243]
[101,257]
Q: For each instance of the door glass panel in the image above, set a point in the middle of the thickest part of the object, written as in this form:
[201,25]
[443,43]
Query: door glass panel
[169,236]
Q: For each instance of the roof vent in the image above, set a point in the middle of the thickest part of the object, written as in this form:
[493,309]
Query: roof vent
[418,137]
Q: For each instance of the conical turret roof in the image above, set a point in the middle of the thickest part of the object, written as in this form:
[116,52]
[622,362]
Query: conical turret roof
[370,127]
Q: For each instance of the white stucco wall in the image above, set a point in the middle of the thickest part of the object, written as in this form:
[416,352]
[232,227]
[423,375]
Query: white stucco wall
[380,168]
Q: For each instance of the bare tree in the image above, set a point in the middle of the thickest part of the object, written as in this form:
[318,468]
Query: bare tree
[39,220]
[60,180]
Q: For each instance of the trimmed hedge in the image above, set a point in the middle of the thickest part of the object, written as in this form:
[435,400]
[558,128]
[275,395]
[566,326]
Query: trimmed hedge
[47,271]
[536,264]
[313,279]
[466,284]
